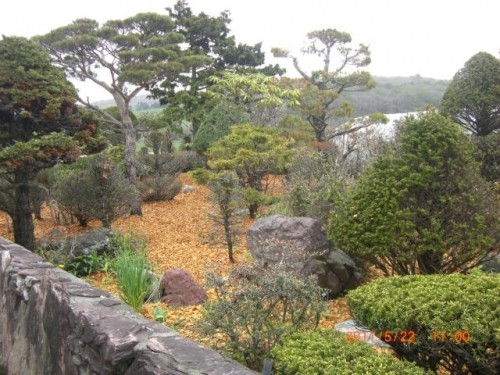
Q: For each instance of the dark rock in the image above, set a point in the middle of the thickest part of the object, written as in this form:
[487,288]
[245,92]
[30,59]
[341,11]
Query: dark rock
[92,241]
[86,243]
[299,244]
[53,240]
[181,289]
[54,323]
[341,264]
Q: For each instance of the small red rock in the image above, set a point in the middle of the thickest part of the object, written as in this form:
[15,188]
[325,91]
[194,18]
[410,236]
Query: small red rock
[181,289]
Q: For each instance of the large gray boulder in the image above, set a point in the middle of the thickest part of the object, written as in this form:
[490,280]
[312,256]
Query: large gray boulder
[299,244]
[94,240]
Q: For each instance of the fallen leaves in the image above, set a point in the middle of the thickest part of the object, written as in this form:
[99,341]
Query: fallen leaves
[180,235]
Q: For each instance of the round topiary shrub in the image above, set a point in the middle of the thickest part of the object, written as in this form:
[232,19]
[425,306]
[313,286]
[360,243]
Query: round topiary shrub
[324,352]
[453,320]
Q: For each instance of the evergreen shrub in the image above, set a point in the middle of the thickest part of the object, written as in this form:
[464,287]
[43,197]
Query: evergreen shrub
[323,352]
[455,318]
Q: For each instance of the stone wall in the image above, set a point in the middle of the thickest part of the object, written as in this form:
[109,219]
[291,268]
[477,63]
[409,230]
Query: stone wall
[54,323]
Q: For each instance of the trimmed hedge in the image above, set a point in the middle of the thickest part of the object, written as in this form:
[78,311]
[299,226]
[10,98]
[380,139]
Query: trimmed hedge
[455,318]
[324,352]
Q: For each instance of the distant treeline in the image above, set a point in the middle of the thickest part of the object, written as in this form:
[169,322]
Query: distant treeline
[139,103]
[391,95]
[398,95]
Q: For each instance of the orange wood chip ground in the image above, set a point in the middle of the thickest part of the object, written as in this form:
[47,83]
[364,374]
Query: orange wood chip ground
[179,234]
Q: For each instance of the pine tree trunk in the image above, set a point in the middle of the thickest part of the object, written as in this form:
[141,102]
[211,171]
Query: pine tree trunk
[22,220]
[229,238]
[130,146]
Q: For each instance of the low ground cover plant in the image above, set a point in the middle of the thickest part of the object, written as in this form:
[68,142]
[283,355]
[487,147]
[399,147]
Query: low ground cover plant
[133,272]
[454,319]
[323,352]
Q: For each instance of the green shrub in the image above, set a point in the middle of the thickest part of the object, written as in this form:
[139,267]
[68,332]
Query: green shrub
[200,175]
[159,314]
[162,188]
[422,208]
[310,183]
[324,352]
[158,171]
[255,307]
[227,201]
[253,153]
[95,187]
[487,152]
[465,308]
[84,265]
[217,125]
[133,272]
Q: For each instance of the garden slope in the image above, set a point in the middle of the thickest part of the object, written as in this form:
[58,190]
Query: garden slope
[180,235]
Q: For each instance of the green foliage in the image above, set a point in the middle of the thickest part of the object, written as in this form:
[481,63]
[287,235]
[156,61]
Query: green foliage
[227,199]
[84,265]
[263,97]
[40,152]
[159,315]
[200,175]
[158,171]
[133,273]
[421,209]
[254,308]
[322,352]
[210,50]
[93,188]
[159,188]
[310,184]
[487,152]
[321,88]
[252,153]
[293,126]
[119,243]
[246,88]
[473,95]
[462,307]
[40,125]
[217,124]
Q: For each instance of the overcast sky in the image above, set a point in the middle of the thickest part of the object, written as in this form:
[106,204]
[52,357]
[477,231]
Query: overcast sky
[433,38]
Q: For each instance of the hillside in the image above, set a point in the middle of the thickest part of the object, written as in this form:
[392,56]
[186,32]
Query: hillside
[398,95]
[391,95]
[180,234]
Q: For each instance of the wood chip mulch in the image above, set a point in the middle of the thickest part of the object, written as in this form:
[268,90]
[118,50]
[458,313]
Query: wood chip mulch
[180,235]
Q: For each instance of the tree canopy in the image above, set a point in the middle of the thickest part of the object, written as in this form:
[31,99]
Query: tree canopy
[122,56]
[253,153]
[321,88]
[210,50]
[473,97]
[39,127]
